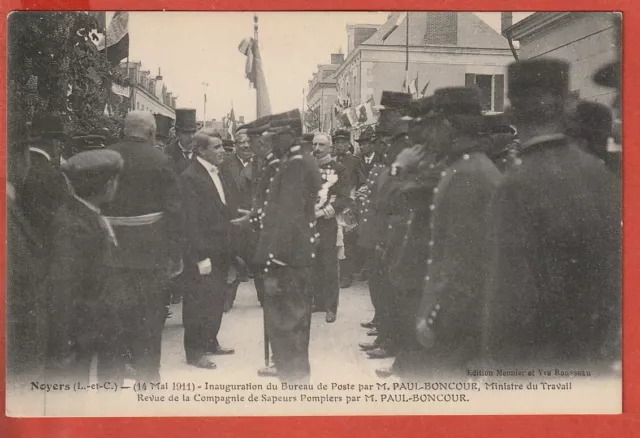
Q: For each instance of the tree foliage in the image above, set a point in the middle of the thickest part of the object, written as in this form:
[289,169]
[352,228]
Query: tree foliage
[55,67]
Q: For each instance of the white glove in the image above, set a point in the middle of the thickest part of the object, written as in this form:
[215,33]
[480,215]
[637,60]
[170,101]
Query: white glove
[204,267]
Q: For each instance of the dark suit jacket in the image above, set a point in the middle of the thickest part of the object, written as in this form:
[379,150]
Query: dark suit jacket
[178,162]
[76,277]
[26,321]
[355,171]
[555,267]
[45,190]
[377,159]
[207,219]
[147,185]
[236,173]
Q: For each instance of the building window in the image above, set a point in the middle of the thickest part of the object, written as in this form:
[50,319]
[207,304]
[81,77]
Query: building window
[491,89]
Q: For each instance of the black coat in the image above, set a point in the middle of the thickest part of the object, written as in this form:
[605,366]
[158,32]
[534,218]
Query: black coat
[45,190]
[147,185]
[288,231]
[355,171]
[26,321]
[206,218]
[338,194]
[377,159]
[178,161]
[554,294]
[76,279]
[239,175]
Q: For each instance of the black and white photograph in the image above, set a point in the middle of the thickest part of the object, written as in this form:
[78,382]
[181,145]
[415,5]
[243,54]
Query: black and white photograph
[313,213]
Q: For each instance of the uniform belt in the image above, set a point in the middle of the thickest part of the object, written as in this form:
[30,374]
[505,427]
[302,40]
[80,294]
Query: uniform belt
[135,221]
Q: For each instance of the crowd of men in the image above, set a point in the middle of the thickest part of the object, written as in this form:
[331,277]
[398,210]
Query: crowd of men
[483,239]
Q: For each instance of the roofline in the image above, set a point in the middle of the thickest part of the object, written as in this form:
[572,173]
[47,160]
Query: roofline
[363,26]
[535,22]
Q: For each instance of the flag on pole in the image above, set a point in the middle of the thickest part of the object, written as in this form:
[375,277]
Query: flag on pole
[413,87]
[424,90]
[231,124]
[255,73]
[116,42]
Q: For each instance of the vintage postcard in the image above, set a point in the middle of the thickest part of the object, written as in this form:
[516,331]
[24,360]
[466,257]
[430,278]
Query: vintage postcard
[313,213]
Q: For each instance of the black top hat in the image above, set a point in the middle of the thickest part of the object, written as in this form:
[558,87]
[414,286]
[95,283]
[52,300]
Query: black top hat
[420,107]
[457,101]
[44,124]
[255,128]
[368,134]
[609,75]
[590,120]
[537,76]
[395,100]
[163,125]
[186,120]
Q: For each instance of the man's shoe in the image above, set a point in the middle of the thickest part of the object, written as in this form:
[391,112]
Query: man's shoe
[373,332]
[204,362]
[345,284]
[380,353]
[316,309]
[269,371]
[368,346]
[383,373]
[222,351]
[331,317]
[367,325]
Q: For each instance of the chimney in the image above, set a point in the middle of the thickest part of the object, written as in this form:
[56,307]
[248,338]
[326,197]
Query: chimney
[241,119]
[173,102]
[358,34]
[506,21]
[337,58]
[159,86]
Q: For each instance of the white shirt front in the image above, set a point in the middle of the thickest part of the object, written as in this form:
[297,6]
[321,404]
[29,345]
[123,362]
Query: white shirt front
[187,153]
[244,163]
[212,169]
[41,152]
[369,159]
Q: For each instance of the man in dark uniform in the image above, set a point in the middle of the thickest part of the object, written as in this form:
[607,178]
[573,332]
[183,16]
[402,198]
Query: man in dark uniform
[307,143]
[554,290]
[287,250]
[355,179]
[209,203]
[146,217]
[45,188]
[79,313]
[163,124]
[332,200]
[181,150]
[26,318]
[449,316]
[370,156]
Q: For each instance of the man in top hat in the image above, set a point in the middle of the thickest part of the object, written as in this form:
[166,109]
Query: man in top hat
[369,155]
[307,143]
[146,217]
[332,200]
[554,287]
[181,150]
[449,317]
[355,179]
[81,319]
[287,249]
[209,204]
[26,296]
[45,188]
[163,133]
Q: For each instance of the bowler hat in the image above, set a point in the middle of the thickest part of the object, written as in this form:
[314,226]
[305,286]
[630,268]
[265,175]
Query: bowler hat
[163,125]
[45,124]
[609,75]
[289,121]
[591,119]
[307,138]
[186,120]
[538,76]
[341,133]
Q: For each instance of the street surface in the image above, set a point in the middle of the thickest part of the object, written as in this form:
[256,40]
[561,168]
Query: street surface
[333,349]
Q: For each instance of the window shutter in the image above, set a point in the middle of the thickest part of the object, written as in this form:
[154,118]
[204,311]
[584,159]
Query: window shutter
[469,80]
[498,93]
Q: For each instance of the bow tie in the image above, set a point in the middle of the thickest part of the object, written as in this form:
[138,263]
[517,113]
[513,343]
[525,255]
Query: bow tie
[187,154]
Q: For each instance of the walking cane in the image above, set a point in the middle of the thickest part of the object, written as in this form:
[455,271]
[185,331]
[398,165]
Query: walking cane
[266,339]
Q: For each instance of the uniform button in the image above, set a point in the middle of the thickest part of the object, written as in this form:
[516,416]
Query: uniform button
[313,255]
[431,166]
[267,190]
[365,219]
[574,261]
[435,190]
[266,270]
[437,306]
[270,256]
[261,226]
[432,207]
[431,243]
[390,227]
[430,321]
[259,210]
[312,240]
[465,157]
[427,278]
[443,173]
[518,161]
[268,262]
[433,313]
[429,261]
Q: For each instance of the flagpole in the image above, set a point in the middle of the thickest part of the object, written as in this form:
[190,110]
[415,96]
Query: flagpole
[406,64]
[302,112]
[255,39]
